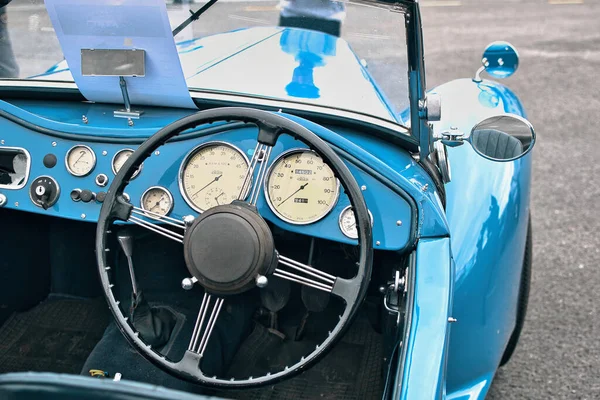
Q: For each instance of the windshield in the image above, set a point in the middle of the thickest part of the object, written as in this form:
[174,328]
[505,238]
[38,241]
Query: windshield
[252,48]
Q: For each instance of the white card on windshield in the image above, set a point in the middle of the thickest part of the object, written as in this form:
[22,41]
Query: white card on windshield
[122,24]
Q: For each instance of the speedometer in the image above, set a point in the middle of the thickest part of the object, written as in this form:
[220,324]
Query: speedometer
[212,175]
[301,188]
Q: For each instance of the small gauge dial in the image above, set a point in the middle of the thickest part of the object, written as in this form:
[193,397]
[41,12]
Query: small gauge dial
[212,175]
[80,160]
[158,201]
[348,222]
[301,188]
[119,160]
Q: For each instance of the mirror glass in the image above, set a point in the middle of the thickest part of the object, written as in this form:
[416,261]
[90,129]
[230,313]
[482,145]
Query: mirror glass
[503,137]
[500,59]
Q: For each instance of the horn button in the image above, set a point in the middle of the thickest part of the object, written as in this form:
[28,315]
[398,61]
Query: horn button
[227,246]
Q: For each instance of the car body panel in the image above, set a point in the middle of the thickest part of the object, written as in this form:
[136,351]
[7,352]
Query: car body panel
[383,201]
[487,210]
[424,371]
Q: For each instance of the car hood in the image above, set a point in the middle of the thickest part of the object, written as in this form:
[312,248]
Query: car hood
[279,63]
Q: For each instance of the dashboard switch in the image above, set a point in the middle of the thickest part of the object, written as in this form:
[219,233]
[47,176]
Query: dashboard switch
[100,197]
[87,195]
[76,194]
[44,192]
[50,160]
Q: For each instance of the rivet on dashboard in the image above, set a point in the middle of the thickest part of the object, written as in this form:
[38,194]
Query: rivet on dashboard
[399,223]
[2,141]
[3,200]
[130,122]
[82,216]
[378,243]
[363,187]
[16,204]
[157,153]
[84,119]
[104,152]
[54,144]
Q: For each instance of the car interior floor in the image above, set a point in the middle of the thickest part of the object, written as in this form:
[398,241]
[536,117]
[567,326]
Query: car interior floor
[54,318]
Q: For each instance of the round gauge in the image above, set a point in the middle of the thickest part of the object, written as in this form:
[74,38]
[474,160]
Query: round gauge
[119,160]
[301,188]
[348,222]
[80,160]
[158,201]
[212,175]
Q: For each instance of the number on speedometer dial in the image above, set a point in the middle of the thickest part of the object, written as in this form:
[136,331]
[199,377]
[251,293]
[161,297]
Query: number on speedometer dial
[301,188]
[212,175]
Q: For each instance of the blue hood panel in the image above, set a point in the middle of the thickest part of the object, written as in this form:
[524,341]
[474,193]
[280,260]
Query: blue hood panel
[282,63]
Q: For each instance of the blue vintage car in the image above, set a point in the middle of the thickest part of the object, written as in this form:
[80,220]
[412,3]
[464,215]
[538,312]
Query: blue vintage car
[305,219]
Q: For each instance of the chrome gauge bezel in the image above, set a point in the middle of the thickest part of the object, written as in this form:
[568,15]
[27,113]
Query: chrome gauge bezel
[112,163]
[196,150]
[341,225]
[169,195]
[268,199]
[94,160]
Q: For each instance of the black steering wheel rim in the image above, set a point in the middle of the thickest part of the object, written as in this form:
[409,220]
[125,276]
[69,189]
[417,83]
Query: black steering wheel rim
[271,125]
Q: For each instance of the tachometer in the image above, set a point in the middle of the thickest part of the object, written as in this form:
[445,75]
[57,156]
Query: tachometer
[301,188]
[212,174]
[80,160]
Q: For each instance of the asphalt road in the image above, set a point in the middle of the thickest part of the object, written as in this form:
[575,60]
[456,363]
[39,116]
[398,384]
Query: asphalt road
[559,44]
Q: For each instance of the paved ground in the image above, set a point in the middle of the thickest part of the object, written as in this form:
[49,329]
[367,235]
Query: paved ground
[559,44]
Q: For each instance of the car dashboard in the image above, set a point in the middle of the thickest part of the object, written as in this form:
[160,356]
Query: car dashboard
[72,151]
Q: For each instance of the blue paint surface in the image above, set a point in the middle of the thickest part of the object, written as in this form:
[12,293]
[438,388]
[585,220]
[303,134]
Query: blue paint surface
[487,211]
[425,367]
[386,205]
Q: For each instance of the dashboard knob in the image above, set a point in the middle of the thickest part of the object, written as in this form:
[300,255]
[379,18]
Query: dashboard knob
[87,195]
[100,197]
[44,192]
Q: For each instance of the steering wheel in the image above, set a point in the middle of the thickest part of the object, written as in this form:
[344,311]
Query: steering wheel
[229,273]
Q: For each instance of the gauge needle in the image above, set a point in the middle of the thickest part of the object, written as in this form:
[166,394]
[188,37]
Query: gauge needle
[81,154]
[157,203]
[217,198]
[213,181]
[291,195]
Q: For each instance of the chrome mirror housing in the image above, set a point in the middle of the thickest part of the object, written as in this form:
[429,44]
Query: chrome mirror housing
[501,138]
[500,60]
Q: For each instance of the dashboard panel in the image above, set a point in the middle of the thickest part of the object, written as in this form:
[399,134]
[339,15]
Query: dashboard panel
[160,186]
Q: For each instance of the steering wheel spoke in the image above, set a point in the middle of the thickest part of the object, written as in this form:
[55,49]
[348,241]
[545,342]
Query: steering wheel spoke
[205,323]
[304,274]
[137,217]
[252,184]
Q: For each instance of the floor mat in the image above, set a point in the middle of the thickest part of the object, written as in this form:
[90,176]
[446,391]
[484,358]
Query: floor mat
[55,336]
[351,371]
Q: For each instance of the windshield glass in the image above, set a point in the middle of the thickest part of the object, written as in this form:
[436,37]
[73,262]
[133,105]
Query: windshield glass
[252,48]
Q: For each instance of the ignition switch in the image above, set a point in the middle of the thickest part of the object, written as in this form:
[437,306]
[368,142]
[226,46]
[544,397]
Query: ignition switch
[44,192]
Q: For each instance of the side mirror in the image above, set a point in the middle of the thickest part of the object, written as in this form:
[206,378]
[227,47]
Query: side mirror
[505,137]
[500,60]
